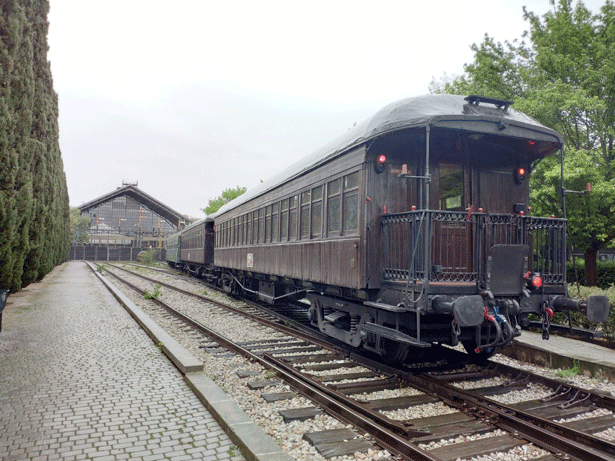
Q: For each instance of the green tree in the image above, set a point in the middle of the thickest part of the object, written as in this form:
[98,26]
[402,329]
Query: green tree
[564,76]
[79,227]
[34,212]
[226,196]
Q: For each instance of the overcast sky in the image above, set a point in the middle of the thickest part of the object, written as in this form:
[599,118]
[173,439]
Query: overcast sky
[191,97]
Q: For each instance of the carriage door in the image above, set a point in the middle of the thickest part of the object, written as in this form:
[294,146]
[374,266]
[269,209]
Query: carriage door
[452,257]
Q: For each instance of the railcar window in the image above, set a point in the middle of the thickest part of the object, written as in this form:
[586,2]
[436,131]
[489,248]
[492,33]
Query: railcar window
[333,207]
[351,215]
[292,218]
[261,225]
[351,181]
[351,203]
[254,227]
[317,211]
[248,224]
[451,187]
[274,222]
[268,224]
[284,220]
[305,215]
[240,230]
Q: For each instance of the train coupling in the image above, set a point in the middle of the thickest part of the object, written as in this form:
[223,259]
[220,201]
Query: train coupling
[596,307]
[468,311]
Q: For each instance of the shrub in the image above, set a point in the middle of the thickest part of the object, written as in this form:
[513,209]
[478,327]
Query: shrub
[580,320]
[148,257]
[605,272]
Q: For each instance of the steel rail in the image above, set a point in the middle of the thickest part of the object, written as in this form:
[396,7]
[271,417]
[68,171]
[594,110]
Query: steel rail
[385,436]
[544,433]
[296,330]
[547,434]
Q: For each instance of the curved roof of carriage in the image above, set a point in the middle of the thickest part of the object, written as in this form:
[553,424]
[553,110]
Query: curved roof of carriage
[415,112]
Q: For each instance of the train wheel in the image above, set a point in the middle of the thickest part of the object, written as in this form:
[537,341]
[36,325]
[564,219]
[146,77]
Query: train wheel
[395,352]
[478,357]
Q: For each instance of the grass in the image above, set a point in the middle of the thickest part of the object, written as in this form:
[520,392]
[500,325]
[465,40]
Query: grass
[569,372]
[155,294]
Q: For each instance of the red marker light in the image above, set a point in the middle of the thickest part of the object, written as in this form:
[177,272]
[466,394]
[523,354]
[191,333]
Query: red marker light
[380,161]
[534,280]
[520,174]
[589,187]
[413,207]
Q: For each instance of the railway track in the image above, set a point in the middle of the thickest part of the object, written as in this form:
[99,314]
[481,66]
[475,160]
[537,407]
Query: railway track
[388,403]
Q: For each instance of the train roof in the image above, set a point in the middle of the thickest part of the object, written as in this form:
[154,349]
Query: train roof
[194,224]
[450,111]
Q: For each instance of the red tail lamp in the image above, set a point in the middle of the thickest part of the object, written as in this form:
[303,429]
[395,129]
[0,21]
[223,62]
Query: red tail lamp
[534,280]
[380,163]
[520,175]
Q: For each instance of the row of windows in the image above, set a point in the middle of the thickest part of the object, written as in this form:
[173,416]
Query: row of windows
[300,216]
[196,239]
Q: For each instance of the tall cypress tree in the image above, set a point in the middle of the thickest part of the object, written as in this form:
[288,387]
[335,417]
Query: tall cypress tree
[34,212]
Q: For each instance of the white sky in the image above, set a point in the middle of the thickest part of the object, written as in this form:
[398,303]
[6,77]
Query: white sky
[191,97]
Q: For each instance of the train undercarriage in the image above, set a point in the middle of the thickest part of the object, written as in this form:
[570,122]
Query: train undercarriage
[451,314]
[480,297]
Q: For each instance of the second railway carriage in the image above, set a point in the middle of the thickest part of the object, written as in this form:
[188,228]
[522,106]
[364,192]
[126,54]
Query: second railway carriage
[173,256]
[196,248]
[414,228]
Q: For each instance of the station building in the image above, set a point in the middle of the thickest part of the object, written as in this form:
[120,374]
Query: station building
[125,222]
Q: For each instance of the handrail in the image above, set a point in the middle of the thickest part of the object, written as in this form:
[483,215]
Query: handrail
[459,244]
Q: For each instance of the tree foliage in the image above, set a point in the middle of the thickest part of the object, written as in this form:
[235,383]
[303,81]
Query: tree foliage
[34,214]
[79,227]
[562,74]
[226,196]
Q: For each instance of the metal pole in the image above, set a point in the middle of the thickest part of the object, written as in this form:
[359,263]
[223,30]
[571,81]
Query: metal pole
[563,189]
[427,176]
[427,222]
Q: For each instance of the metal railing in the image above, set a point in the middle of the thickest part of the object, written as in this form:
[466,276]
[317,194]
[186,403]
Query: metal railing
[458,243]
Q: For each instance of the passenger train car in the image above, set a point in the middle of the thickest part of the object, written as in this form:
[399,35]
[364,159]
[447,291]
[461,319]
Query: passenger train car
[412,229]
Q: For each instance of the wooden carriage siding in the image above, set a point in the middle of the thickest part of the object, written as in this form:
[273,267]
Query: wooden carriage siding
[292,230]
[108,253]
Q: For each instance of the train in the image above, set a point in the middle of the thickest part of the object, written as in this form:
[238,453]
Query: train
[413,229]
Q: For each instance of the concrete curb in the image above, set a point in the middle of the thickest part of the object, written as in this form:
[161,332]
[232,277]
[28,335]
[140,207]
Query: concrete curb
[593,361]
[184,360]
[254,444]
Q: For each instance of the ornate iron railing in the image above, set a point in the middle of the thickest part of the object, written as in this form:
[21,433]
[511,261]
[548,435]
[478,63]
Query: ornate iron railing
[453,246]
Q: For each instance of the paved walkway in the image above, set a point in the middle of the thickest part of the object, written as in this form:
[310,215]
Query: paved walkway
[80,380]
[559,352]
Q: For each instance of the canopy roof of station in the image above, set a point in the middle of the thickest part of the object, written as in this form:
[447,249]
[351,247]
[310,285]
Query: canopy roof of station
[141,197]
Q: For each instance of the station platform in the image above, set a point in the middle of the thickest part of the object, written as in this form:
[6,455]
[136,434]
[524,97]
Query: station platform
[80,379]
[560,352]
